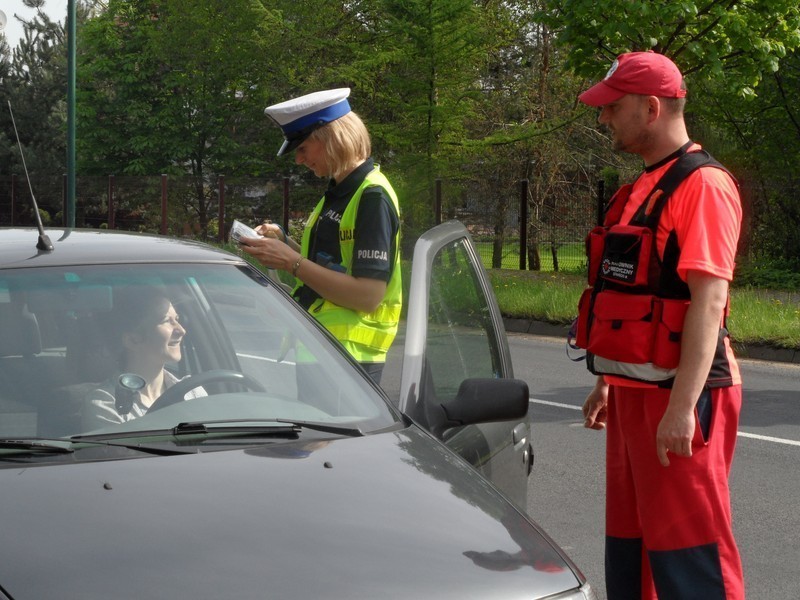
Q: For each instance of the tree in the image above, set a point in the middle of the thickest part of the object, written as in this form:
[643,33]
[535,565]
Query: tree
[413,66]
[731,52]
[34,82]
[732,42]
[177,87]
[767,162]
[526,127]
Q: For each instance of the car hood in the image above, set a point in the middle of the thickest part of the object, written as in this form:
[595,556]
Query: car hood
[388,515]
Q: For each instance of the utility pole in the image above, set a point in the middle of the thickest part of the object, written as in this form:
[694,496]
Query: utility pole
[71,45]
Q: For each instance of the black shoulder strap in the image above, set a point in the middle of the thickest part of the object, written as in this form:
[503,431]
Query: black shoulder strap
[650,210]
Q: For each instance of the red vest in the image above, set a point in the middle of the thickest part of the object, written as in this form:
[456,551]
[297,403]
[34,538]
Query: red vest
[630,319]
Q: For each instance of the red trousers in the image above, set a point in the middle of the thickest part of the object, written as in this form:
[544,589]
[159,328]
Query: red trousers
[668,529]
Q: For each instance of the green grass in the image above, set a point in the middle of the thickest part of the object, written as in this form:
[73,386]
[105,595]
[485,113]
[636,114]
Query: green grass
[543,296]
[758,316]
[571,256]
[765,317]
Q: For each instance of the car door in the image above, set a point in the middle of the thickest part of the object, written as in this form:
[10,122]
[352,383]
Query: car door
[454,331]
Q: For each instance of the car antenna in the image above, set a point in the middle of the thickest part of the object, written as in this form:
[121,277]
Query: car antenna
[44,242]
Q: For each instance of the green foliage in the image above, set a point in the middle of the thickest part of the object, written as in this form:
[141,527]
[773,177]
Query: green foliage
[478,94]
[767,274]
[34,81]
[733,44]
[177,87]
[760,141]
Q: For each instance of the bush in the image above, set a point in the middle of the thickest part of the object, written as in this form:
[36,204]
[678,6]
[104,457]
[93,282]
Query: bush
[767,274]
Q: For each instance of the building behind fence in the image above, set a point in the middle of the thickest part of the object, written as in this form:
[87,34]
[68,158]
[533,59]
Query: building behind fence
[175,206]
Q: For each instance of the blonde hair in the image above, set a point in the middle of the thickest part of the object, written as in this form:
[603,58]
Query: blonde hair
[346,143]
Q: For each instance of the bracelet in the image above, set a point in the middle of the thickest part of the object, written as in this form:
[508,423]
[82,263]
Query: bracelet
[296,265]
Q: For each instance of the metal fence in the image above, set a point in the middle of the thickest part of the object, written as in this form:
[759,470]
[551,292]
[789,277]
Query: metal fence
[510,228]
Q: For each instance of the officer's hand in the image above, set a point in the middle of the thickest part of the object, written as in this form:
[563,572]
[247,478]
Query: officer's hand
[271,230]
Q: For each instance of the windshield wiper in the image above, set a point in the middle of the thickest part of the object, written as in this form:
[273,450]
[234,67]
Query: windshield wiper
[35,446]
[157,450]
[291,427]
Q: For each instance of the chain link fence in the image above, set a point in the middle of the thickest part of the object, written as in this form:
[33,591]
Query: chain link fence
[514,225]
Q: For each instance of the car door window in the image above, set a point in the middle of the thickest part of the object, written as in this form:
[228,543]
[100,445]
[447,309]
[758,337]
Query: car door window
[461,337]
[454,329]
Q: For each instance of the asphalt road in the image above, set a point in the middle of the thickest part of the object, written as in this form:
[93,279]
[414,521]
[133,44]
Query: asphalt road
[566,494]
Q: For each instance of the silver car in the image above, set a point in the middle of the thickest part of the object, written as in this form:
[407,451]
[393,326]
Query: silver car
[271,466]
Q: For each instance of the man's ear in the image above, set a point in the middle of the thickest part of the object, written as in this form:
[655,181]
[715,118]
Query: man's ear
[654,108]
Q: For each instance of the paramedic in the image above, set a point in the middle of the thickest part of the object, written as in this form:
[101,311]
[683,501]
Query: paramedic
[670,447]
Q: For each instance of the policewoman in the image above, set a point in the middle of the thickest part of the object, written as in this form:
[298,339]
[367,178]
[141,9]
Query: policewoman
[347,265]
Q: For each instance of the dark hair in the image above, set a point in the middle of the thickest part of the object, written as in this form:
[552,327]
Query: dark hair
[137,307]
[675,105]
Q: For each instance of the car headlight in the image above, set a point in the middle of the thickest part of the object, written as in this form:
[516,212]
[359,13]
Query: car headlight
[584,593]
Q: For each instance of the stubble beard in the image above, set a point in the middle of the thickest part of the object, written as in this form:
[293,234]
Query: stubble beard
[634,145]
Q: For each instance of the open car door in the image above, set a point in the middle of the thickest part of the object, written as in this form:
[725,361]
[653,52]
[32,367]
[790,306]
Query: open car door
[457,378]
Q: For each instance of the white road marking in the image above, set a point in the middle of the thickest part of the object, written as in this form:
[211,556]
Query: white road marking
[768,438]
[558,404]
[754,436]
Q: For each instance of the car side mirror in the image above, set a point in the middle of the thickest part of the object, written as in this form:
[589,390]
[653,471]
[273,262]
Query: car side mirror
[485,401]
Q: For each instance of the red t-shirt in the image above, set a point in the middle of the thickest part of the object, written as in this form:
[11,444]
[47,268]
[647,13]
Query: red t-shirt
[706,214]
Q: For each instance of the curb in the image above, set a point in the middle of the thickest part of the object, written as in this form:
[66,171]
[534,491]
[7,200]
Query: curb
[750,351]
[759,352]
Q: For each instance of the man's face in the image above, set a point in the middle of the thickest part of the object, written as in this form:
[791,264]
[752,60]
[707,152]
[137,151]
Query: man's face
[626,120]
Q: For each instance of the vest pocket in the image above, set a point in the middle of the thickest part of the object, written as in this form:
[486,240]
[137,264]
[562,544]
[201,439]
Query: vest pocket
[595,243]
[584,319]
[669,329]
[626,255]
[622,327]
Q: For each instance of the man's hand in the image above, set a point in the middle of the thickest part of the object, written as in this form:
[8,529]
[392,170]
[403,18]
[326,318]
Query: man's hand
[698,342]
[594,408]
[674,434]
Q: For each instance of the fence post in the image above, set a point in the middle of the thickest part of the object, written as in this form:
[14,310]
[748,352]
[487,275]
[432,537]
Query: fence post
[221,213]
[601,194]
[111,210]
[64,201]
[163,204]
[523,224]
[285,208]
[437,211]
[13,200]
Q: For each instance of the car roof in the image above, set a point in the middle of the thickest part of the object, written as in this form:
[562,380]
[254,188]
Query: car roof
[102,247]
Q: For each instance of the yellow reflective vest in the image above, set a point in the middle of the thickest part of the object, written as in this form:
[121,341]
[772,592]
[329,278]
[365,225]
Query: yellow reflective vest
[366,336]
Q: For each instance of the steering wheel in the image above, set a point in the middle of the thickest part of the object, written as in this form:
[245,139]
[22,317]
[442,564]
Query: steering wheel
[178,391]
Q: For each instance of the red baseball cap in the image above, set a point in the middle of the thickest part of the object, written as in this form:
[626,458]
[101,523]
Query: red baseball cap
[645,73]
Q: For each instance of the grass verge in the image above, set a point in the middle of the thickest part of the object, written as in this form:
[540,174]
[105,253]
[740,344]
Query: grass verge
[758,316]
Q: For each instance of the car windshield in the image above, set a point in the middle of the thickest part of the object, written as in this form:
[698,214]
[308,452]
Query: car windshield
[100,349]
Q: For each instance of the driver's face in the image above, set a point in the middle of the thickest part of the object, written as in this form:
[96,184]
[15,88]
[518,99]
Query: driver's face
[165,339]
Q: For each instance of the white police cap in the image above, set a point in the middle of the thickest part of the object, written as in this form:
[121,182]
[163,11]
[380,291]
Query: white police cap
[298,117]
